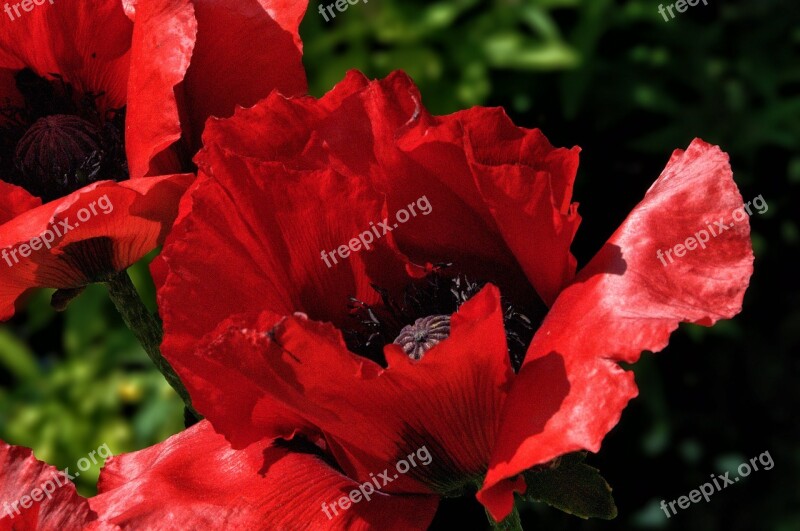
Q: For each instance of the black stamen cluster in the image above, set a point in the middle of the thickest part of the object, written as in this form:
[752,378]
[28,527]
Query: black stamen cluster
[440,293]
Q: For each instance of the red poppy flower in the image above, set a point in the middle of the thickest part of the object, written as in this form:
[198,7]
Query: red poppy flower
[35,496]
[414,325]
[92,99]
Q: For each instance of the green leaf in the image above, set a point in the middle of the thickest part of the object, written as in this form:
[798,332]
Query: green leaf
[573,487]
[16,357]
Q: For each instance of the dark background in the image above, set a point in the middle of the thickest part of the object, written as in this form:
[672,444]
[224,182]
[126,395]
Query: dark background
[628,87]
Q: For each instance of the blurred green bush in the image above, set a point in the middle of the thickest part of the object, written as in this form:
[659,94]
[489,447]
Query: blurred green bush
[72,382]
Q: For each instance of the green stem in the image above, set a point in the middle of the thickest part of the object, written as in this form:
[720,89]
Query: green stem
[512,522]
[147,329]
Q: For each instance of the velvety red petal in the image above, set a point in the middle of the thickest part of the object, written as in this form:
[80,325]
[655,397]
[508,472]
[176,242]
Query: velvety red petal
[497,193]
[164,38]
[16,200]
[87,43]
[527,185]
[446,404]
[245,50]
[35,496]
[195,480]
[271,225]
[624,302]
[210,377]
[193,59]
[139,215]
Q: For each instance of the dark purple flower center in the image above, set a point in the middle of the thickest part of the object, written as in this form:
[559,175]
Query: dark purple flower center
[427,332]
[56,142]
[61,148]
[420,319]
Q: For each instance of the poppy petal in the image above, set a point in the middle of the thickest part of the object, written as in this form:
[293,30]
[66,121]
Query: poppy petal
[209,485]
[447,404]
[34,496]
[272,226]
[527,184]
[16,200]
[204,63]
[86,43]
[159,65]
[503,188]
[624,302]
[94,232]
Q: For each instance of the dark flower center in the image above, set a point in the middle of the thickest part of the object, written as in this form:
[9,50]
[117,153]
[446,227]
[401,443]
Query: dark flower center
[418,338]
[420,319]
[60,148]
[57,142]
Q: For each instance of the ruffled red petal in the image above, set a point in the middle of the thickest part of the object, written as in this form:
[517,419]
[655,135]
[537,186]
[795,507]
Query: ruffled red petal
[195,480]
[269,378]
[526,184]
[96,231]
[87,43]
[34,496]
[16,200]
[504,188]
[624,302]
[271,225]
[192,59]
[164,38]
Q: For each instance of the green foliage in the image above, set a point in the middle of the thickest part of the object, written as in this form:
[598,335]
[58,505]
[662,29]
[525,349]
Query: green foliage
[448,47]
[79,380]
[572,486]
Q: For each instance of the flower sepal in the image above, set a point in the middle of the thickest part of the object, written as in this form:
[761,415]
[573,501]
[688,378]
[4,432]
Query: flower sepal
[571,486]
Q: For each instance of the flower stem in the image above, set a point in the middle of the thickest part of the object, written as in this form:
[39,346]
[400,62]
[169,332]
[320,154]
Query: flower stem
[147,329]
[511,522]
